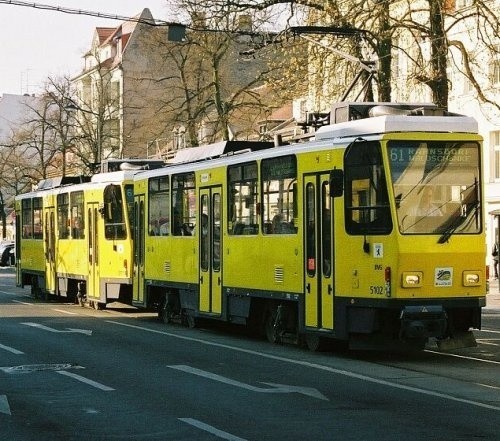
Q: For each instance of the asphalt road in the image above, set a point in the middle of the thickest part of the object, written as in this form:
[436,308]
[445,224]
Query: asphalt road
[71,373]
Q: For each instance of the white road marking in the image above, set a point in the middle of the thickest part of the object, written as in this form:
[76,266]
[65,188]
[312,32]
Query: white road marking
[210,429]
[488,386]
[23,303]
[4,405]
[9,293]
[65,312]
[276,388]
[444,354]
[8,348]
[40,367]
[311,365]
[489,330]
[488,341]
[68,330]
[86,381]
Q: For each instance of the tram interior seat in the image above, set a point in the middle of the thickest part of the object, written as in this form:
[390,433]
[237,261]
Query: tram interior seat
[241,229]
[268,227]
[238,228]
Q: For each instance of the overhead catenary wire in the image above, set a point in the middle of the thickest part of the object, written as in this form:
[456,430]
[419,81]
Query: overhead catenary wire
[74,11]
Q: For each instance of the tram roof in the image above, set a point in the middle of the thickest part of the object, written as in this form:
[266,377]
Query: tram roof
[99,180]
[115,176]
[217,149]
[327,137]
[398,123]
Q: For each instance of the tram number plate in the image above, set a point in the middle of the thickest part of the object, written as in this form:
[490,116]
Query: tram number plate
[377,289]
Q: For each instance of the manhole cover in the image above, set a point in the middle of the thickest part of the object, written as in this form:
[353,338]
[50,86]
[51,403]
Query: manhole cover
[27,368]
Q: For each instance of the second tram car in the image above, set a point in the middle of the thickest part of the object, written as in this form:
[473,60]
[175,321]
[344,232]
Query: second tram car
[75,240]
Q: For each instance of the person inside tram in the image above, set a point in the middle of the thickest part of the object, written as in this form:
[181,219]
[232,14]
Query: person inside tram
[277,224]
[77,228]
[427,205]
[163,230]
[153,228]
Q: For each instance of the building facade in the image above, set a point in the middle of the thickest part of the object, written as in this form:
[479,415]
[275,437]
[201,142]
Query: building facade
[141,94]
[120,92]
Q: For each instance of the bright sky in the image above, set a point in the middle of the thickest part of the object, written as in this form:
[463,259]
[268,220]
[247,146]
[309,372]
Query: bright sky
[37,43]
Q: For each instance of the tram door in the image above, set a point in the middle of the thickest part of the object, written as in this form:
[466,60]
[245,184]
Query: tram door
[93,288]
[210,236]
[50,249]
[318,253]
[138,275]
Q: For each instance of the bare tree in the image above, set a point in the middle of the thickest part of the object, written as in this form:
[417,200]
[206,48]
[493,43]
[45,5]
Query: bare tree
[432,25]
[214,87]
[94,107]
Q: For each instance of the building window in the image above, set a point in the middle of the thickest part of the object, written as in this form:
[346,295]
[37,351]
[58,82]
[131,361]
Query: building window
[468,86]
[495,72]
[495,142]
[463,3]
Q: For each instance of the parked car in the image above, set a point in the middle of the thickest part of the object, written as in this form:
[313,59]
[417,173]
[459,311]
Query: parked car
[7,256]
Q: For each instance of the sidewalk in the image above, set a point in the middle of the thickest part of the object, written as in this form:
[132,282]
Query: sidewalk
[493,296]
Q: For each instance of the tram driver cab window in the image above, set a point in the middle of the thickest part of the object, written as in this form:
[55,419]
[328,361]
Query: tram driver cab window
[367,203]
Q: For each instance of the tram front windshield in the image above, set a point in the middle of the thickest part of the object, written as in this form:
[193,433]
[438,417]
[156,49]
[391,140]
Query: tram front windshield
[436,187]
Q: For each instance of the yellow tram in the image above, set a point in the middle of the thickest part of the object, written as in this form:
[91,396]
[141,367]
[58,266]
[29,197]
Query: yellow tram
[370,232]
[334,238]
[75,240]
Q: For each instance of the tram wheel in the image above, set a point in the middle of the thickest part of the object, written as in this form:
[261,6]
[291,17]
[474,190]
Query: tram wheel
[36,292]
[165,312]
[314,342]
[188,319]
[270,328]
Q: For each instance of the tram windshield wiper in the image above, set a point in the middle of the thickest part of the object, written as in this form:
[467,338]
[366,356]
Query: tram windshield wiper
[459,221]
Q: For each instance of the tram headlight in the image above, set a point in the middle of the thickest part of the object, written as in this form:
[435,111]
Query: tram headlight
[412,279]
[471,278]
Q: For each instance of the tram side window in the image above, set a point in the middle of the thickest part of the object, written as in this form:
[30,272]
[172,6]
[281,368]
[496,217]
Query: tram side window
[37,218]
[113,212]
[367,202]
[159,207]
[183,204]
[62,215]
[27,221]
[76,213]
[242,210]
[27,218]
[279,188]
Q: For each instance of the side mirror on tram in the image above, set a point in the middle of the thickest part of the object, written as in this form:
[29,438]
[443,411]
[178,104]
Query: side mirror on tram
[336,182]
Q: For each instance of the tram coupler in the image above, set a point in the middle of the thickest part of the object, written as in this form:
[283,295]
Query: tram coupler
[422,321]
